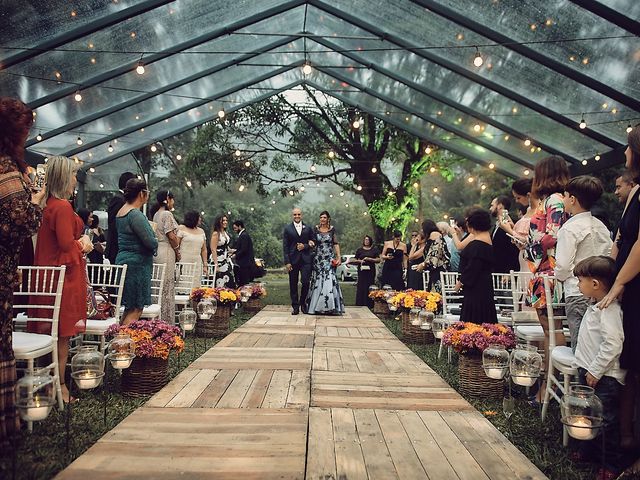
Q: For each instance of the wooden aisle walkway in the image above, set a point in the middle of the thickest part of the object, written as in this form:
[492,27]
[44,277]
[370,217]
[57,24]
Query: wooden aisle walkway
[305,397]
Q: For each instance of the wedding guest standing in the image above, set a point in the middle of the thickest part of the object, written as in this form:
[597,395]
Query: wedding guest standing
[416,257]
[221,253]
[366,257]
[98,238]
[244,256]
[393,255]
[61,242]
[168,250]
[325,296]
[505,252]
[137,244]
[115,204]
[20,218]
[436,256]
[297,243]
[193,244]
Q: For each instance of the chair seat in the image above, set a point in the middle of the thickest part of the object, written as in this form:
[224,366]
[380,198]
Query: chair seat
[525,316]
[182,299]
[563,359]
[98,327]
[26,343]
[152,311]
[531,333]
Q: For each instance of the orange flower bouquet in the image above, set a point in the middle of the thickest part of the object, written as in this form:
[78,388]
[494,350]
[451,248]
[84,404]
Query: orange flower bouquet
[153,338]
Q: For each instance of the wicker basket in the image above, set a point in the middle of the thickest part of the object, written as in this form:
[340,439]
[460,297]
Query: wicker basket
[253,305]
[145,376]
[473,381]
[380,307]
[413,333]
[217,326]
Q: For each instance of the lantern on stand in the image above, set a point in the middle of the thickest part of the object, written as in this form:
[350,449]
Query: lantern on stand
[207,308]
[245,293]
[87,367]
[35,396]
[414,317]
[438,326]
[495,361]
[581,412]
[426,319]
[187,319]
[122,351]
[525,365]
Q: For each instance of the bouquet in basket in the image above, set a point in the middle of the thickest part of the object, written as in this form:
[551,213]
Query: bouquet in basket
[253,290]
[199,293]
[431,301]
[222,295]
[153,338]
[467,337]
[378,295]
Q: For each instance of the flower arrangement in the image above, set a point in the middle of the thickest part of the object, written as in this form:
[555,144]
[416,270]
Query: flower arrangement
[467,337]
[220,294]
[152,338]
[430,301]
[378,294]
[254,290]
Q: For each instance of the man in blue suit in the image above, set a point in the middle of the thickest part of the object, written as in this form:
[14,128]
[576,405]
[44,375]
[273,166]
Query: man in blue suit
[297,246]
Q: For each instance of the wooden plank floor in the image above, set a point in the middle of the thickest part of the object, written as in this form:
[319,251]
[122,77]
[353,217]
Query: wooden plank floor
[306,397]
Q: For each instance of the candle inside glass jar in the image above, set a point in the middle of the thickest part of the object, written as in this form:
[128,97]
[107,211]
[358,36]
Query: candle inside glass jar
[86,380]
[36,411]
[120,360]
[497,373]
[523,379]
[580,428]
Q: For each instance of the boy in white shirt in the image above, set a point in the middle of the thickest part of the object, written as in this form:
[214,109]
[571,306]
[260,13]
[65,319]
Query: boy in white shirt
[582,236]
[597,358]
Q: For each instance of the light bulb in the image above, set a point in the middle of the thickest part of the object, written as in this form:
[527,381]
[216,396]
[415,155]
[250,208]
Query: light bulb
[527,142]
[432,169]
[241,188]
[189,183]
[470,179]
[238,153]
[597,158]
[477,60]
[178,157]
[584,162]
[359,188]
[365,213]
[102,185]
[526,172]
[291,192]
[77,97]
[427,150]
[491,166]
[435,189]
[476,127]
[110,148]
[302,188]
[629,128]
[247,163]
[312,168]
[39,137]
[307,69]
[79,141]
[332,154]
[92,170]
[221,113]
[374,169]
[356,124]
[342,194]
[273,202]
[140,68]
[346,205]
[154,148]
[483,187]
[583,124]
[416,184]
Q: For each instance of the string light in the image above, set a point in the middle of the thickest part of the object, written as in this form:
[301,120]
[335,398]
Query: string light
[312,168]
[629,128]
[597,158]
[154,148]
[302,188]
[189,183]
[365,213]
[483,187]
[273,202]
[247,163]
[359,188]
[342,194]
[427,150]
[92,170]
[416,184]
[583,123]
[476,127]
[140,68]
[435,189]
[332,154]
[78,96]
[238,153]
[346,205]
[307,69]
[291,192]
[584,162]
[527,142]
[102,185]
[445,216]
[110,148]
[178,157]
[39,137]
[374,169]
[356,124]
[491,166]
[221,113]
[241,188]
[417,220]
[79,141]
[470,179]
[526,172]
[432,169]
[477,60]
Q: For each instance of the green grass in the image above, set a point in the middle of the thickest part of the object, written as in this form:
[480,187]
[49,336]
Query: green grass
[44,453]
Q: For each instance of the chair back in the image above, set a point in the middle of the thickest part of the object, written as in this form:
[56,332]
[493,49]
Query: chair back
[110,278]
[185,277]
[502,289]
[157,281]
[40,294]
[449,294]
[209,280]
[555,309]
[519,288]
[425,279]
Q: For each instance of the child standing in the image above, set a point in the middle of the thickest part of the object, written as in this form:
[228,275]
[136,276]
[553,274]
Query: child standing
[580,237]
[597,357]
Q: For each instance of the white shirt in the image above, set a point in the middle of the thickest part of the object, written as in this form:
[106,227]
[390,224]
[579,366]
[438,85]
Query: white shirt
[580,237]
[600,342]
[298,227]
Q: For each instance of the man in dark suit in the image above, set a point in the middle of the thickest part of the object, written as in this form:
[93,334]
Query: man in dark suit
[115,204]
[243,257]
[297,244]
[504,251]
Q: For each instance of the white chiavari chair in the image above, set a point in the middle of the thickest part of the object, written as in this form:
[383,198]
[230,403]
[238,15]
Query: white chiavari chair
[157,280]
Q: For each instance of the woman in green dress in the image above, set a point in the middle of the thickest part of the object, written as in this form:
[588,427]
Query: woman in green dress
[137,244]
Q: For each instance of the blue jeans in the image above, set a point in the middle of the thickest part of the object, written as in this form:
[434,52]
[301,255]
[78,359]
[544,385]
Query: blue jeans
[608,391]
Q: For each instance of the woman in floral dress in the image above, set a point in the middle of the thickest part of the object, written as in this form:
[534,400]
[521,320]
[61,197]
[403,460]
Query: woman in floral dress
[551,177]
[220,253]
[20,218]
[325,296]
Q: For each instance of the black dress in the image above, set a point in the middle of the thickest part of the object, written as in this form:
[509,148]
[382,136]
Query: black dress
[629,359]
[414,278]
[476,265]
[392,269]
[366,277]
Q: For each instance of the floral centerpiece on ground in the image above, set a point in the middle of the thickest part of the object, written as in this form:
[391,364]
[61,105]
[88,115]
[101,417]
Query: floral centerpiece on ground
[222,295]
[471,338]
[199,293]
[409,299]
[152,338]
[254,290]
[378,295]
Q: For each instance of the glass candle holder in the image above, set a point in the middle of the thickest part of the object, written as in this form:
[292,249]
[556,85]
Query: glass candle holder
[525,365]
[426,319]
[414,316]
[495,361]
[581,412]
[87,367]
[35,396]
[187,319]
[245,293]
[207,308]
[122,351]
[438,328]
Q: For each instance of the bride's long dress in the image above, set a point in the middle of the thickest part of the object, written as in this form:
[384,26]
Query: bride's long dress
[325,296]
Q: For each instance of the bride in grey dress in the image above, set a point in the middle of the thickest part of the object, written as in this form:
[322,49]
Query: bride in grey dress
[325,296]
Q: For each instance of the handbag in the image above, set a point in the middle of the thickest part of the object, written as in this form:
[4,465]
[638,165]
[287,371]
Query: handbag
[90,302]
[104,308]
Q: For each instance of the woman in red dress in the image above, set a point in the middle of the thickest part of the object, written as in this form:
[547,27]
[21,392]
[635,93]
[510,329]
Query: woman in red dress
[60,242]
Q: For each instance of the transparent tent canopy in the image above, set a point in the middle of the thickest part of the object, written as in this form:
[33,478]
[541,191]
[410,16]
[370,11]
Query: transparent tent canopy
[546,66]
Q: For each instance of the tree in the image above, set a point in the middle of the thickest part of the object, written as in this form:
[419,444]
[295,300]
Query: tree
[280,143]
